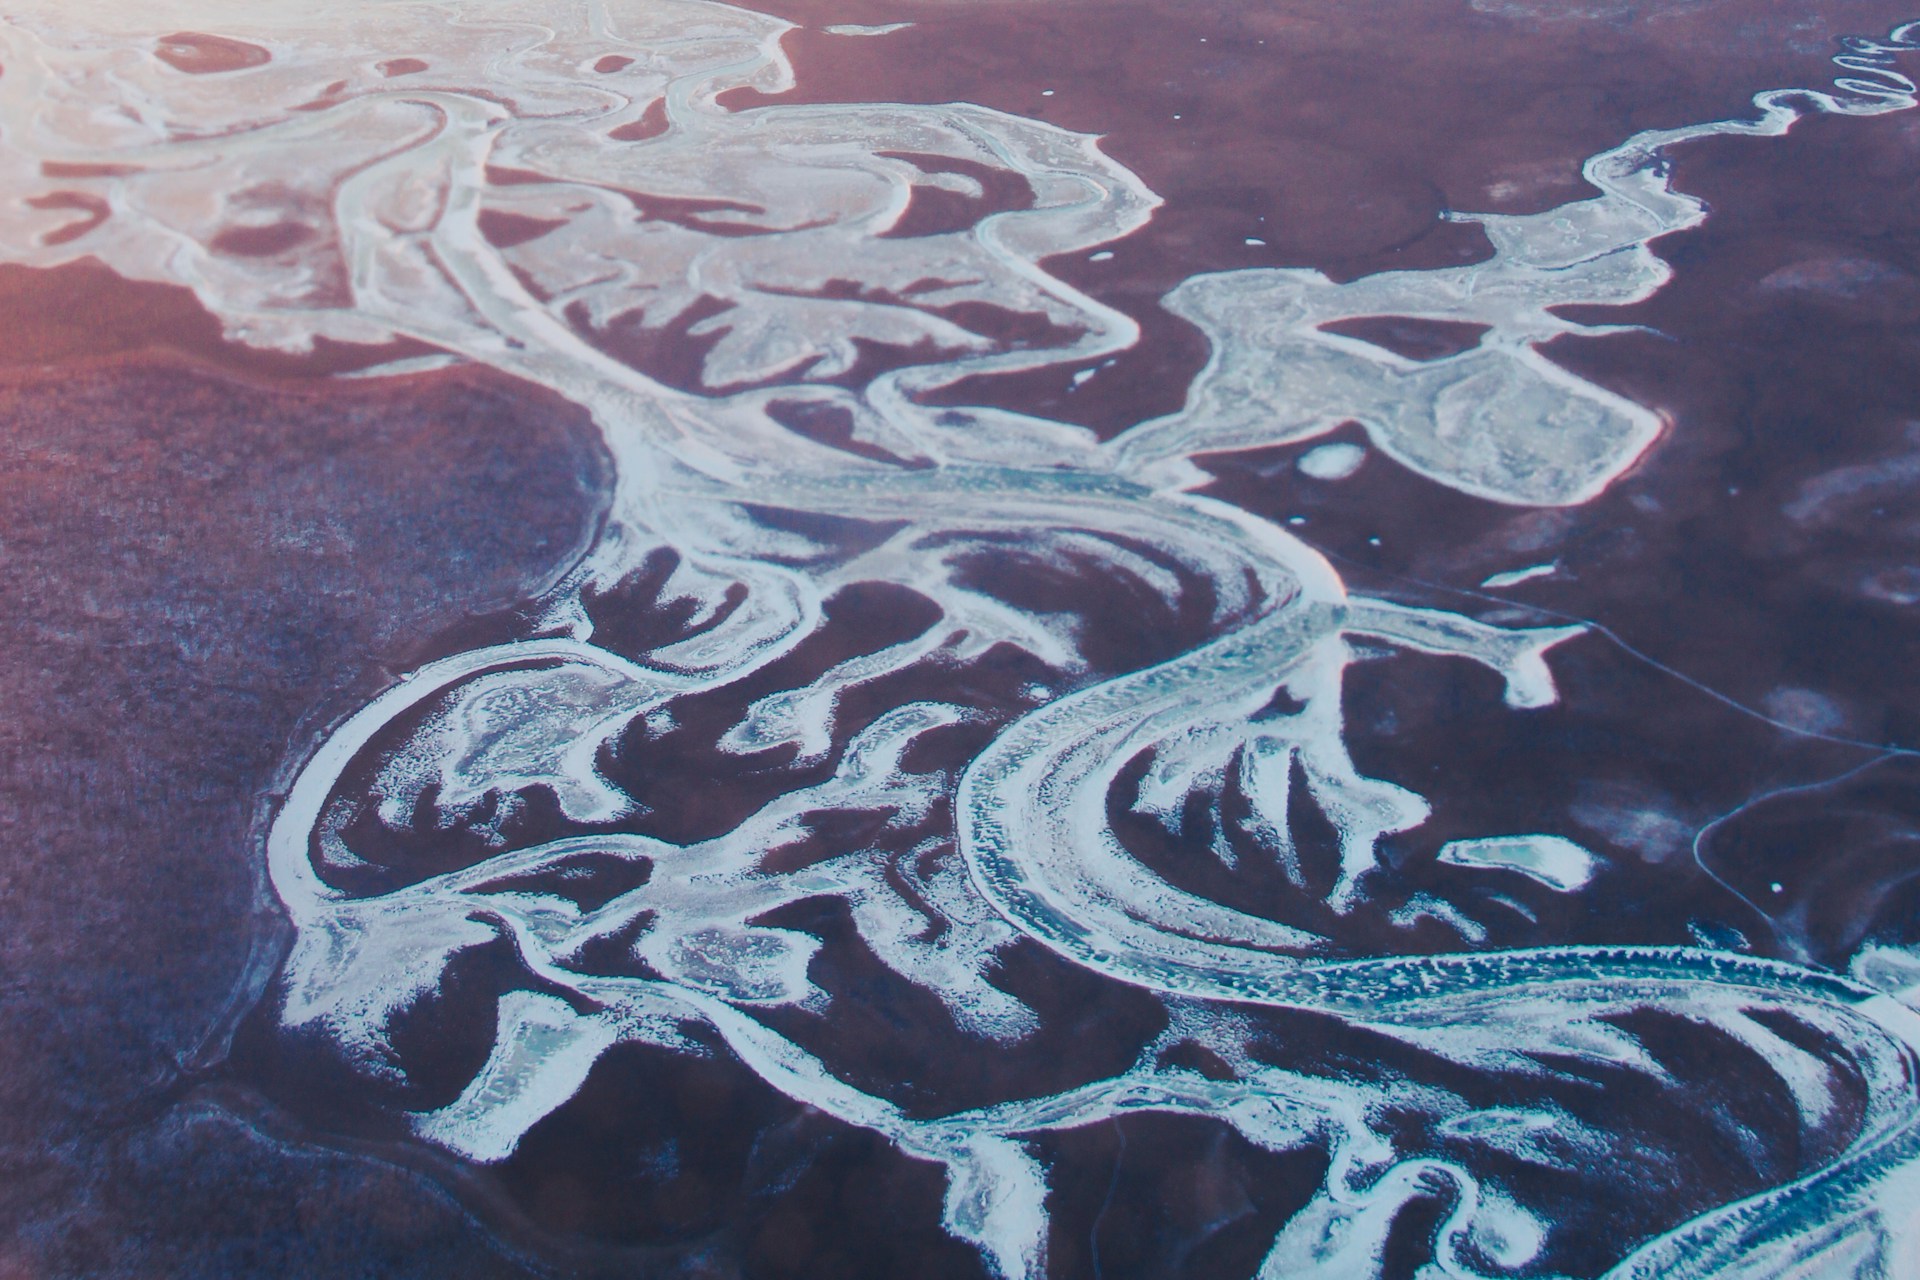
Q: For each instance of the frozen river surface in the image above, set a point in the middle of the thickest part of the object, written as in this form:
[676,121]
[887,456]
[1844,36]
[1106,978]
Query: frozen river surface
[960,637]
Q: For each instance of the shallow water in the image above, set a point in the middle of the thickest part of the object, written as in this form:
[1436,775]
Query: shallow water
[659,638]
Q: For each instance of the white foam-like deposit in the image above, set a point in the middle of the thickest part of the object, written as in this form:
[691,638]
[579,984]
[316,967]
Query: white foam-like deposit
[865,29]
[1498,420]
[1514,577]
[1554,861]
[558,173]
[1331,461]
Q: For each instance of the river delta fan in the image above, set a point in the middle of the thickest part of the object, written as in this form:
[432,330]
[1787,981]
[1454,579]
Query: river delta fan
[535,189]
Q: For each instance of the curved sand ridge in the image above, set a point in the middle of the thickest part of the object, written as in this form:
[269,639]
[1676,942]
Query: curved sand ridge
[530,189]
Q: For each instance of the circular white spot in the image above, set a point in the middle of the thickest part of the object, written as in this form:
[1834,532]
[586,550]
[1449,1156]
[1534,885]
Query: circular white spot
[1805,709]
[1331,461]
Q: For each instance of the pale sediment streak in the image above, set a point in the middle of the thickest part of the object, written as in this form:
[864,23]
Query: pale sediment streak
[514,188]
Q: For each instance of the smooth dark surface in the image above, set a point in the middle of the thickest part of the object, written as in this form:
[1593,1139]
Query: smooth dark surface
[201,571]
